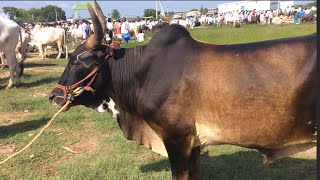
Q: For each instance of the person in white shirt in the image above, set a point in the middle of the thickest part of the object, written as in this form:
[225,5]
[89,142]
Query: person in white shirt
[262,18]
[85,30]
[270,14]
[140,36]
[125,30]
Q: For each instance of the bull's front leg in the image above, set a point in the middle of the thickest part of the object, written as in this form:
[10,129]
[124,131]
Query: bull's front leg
[184,159]
[40,48]
[59,49]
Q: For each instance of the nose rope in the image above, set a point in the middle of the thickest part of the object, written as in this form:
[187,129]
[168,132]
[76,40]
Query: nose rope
[36,137]
[68,91]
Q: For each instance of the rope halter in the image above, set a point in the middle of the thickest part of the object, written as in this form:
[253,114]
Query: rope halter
[70,92]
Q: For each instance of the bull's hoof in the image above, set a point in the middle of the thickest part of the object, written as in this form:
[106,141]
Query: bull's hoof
[9,86]
[17,83]
[267,161]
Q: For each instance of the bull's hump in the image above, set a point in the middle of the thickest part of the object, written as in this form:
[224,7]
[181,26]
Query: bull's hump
[169,35]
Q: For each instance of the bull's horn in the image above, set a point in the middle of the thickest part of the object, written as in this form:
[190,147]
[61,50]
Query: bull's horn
[95,39]
[101,17]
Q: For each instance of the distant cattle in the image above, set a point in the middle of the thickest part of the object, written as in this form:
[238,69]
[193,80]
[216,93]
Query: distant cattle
[9,36]
[176,93]
[22,47]
[308,18]
[44,36]
[20,50]
[75,34]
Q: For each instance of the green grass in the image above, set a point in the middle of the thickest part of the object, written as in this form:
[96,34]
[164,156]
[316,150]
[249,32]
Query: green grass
[105,153]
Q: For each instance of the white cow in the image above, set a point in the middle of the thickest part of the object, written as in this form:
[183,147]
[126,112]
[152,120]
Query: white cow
[232,19]
[179,21]
[44,36]
[20,50]
[9,35]
[75,33]
[22,47]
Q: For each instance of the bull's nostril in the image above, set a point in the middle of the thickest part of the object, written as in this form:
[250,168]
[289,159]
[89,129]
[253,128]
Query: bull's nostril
[51,97]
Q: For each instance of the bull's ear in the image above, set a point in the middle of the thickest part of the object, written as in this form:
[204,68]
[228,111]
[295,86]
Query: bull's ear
[87,58]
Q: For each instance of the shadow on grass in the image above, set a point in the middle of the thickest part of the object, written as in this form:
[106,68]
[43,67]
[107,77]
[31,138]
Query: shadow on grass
[62,57]
[38,83]
[11,130]
[245,165]
[42,64]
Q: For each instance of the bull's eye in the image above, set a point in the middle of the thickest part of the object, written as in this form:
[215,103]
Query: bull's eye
[76,62]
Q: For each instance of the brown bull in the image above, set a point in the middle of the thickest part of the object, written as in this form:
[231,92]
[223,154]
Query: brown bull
[176,93]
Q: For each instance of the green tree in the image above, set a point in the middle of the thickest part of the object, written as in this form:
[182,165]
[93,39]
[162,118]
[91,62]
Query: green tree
[46,14]
[115,14]
[150,12]
[309,5]
[49,13]
[194,9]
[12,11]
[205,10]
[201,10]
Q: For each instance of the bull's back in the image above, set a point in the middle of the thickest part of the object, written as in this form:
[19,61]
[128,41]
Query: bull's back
[48,35]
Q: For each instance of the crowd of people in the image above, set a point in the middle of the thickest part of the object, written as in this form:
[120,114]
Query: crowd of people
[250,17]
[126,30]
[120,28]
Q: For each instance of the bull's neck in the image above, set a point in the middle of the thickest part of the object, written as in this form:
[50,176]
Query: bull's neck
[127,78]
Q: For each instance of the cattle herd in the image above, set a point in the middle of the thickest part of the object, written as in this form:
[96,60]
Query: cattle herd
[258,95]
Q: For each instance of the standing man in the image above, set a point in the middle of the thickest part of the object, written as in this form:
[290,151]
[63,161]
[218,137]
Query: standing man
[125,30]
[85,30]
[191,22]
[266,15]
[270,16]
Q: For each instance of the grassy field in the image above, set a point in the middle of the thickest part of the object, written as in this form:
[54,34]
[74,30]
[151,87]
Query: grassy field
[102,150]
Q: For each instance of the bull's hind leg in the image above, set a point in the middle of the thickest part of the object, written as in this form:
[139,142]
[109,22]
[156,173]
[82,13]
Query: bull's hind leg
[12,62]
[281,153]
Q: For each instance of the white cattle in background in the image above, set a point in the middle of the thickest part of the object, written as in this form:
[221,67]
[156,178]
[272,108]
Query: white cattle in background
[22,47]
[179,21]
[75,33]
[44,36]
[20,51]
[232,19]
[9,36]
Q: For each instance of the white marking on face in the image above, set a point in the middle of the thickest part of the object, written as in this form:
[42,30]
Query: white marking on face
[111,106]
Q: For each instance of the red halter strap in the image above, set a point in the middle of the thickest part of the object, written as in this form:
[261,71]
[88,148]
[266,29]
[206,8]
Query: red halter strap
[68,91]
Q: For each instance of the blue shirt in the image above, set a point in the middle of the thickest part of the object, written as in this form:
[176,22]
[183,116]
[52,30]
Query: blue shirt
[302,13]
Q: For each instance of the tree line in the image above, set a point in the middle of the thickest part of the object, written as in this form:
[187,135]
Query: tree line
[308,5]
[50,13]
[45,14]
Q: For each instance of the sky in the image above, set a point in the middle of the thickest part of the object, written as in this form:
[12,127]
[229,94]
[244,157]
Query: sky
[126,8]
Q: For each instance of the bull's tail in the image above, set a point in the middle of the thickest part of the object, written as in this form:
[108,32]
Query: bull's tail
[22,55]
[65,44]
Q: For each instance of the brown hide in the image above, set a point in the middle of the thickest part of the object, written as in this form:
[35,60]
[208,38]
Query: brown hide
[136,129]
[259,96]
